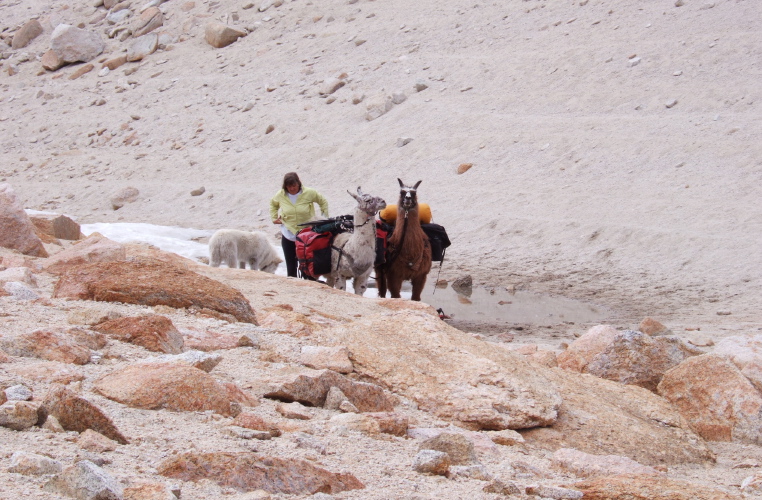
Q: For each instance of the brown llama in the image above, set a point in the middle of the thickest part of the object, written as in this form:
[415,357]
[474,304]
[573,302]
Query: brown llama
[408,251]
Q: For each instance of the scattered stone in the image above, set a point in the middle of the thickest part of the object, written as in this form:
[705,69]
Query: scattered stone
[464,167]
[20,291]
[155,333]
[420,86]
[330,358]
[115,62]
[243,433]
[506,437]
[31,464]
[651,327]
[85,480]
[124,196]
[269,129]
[378,106]
[306,441]
[398,98]
[391,423]
[24,35]
[463,285]
[153,386]
[16,229]
[313,390]
[74,44]
[151,491]
[46,344]
[198,192]
[719,402]
[117,16]
[19,274]
[150,19]
[197,359]
[246,471]
[18,415]
[553,492]
[248,340]
[91,316]
[255,422]
[18,392]
[57,226]
[219,35]
[52,424]
[432,462]
[506,488]
[95,442]
[331,85]
[78,414]
[404,141]
[294,411]
[478,472]
[671,103]
[85,68]
[633,61]
[334,399]
[587,465]
[141,48]
[357,422]
[457,446]
[752,485]
[152,282]
[50,61]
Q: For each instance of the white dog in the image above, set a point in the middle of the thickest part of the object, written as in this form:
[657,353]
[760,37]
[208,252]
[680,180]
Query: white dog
[236,248]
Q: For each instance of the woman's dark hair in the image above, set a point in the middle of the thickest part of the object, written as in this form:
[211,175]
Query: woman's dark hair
[290,179]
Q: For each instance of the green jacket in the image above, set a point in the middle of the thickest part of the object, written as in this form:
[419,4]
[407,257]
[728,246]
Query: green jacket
[294,214]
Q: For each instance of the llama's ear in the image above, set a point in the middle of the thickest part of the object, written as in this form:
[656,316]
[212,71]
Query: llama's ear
[353,195]
[417,184]
[359,191]
[402,184]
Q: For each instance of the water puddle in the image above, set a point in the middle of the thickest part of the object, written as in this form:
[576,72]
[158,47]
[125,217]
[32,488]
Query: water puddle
[495,305]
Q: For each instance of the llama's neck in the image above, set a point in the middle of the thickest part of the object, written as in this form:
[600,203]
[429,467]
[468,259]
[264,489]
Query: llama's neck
[362,224]
[407,222]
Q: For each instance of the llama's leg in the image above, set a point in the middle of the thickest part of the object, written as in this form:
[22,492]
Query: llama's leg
[341,282]
[418,283]
[241,264]
[380,282]
[395,286]
[330,279]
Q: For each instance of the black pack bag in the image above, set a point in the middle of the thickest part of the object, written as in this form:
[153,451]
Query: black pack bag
[333,225]
[438,239]
[383,231]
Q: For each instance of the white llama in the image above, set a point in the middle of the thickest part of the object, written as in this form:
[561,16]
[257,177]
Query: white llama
[354,253]
[237,248]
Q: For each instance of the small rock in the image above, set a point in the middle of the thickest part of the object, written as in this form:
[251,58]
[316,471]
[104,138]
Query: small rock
[295,411]
[478,472]
[464,167]
[219,35]
[554,492]
[18,415]
[431,462]
[671,103]
[124,196]
[508,488]
[198,192]
[95,442]
[30,464]
[18,393]
[633,62]
[398,97]
[403,141]
[85,480]
[420,86]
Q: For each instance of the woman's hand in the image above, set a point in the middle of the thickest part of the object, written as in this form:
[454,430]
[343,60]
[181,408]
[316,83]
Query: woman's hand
[277,221]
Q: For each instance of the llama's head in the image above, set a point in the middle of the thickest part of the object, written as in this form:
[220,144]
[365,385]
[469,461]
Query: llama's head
[367,203]
[408,195]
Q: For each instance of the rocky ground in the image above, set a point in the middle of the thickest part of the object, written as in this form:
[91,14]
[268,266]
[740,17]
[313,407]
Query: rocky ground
[614,153]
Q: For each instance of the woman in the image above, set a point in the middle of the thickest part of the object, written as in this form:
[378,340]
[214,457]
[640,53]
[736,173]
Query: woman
[292,205]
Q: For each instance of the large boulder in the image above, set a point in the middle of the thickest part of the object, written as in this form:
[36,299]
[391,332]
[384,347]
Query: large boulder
[95,248]
[629,356]
[85,481]
[16,229]
[246,471]
[745,351]
[584,464]
[447,372]
[155,333]
[75,413]
[73,44]
[153,386]
[151,282]
[716,398]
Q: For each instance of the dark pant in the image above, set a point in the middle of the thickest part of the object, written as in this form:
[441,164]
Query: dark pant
[289,253]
